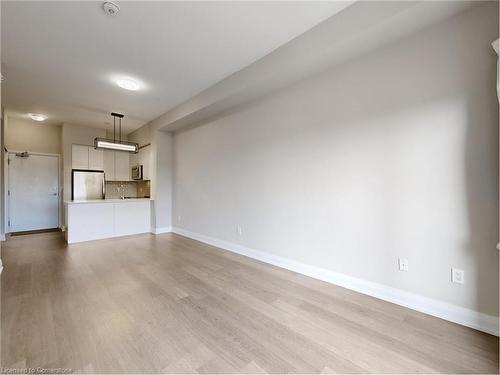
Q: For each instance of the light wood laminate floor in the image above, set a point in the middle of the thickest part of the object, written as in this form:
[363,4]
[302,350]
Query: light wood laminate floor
[170,304]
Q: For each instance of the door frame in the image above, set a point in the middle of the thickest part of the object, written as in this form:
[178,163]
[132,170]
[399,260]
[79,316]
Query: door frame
[6,185]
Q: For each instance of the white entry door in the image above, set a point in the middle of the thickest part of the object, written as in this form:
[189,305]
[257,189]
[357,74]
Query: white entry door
[33,192]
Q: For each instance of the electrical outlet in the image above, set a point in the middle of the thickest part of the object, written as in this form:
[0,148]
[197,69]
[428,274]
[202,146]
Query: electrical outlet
[239,230]
[403,264]
[457,276]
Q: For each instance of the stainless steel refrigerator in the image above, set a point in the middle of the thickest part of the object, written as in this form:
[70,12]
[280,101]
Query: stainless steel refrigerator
[87,185]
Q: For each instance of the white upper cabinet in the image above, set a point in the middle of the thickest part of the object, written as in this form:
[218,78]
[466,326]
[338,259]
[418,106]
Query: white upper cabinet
[86,157]
[143,157]
[96,159]
[134,160]
[146,162]
[109,165]
[80,157]
[116,166]
[122,166]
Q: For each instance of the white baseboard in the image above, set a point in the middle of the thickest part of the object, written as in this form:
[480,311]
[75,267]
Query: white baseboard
[443,310]
[161,230]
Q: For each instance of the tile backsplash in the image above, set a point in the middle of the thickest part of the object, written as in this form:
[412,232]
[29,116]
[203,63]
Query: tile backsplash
[143,189]
[135,189]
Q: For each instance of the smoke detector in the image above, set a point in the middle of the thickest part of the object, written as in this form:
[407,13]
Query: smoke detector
[110,8]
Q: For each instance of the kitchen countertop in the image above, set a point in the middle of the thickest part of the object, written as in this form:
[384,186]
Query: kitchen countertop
[108,200]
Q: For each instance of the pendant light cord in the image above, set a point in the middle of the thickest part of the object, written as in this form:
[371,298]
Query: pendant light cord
[115,115]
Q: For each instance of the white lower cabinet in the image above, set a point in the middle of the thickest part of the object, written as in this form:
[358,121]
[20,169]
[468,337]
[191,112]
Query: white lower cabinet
[105,219]
[89,221]
[130,218]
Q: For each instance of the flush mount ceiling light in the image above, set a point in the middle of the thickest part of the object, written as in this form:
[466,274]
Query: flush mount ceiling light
[110,8]
[37,116]
[128,84]
[116,144]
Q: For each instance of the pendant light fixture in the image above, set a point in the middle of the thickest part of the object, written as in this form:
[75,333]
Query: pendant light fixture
[116,144]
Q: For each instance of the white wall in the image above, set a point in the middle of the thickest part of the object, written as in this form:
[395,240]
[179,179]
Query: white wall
[142,136]
[390,155]
[161,173]
[162,179]
[2,171]
[3,122]
[28,135]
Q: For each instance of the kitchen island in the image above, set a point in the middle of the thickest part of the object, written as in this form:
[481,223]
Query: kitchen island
[105,218]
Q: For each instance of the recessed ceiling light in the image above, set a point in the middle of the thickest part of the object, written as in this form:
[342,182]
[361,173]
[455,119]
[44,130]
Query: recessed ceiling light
[128,84]
[37,117]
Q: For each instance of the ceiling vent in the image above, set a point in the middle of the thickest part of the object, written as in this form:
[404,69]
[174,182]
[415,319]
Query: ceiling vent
[111,8]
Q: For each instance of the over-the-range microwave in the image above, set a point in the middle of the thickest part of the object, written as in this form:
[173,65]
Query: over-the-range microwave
[137,172]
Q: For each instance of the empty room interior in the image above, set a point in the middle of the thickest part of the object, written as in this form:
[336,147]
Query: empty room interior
[228,187]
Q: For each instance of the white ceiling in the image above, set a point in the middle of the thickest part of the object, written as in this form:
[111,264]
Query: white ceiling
[362,28]
[60,58]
